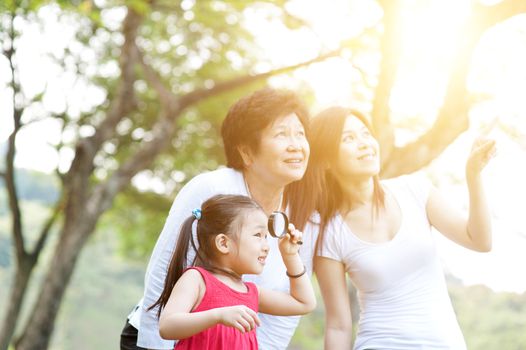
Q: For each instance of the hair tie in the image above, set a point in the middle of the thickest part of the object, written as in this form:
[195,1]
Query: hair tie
[197,213]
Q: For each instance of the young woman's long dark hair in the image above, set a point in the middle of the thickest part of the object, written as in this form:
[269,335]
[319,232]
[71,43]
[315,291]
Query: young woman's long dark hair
[319,190]
[219,214]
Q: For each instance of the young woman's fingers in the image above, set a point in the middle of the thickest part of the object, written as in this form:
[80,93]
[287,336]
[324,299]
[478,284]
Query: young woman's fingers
[484,149]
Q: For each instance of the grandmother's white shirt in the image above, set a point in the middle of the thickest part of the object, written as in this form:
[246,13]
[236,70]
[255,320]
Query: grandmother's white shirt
[275,332]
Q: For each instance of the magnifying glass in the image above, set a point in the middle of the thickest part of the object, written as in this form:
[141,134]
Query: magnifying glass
[278,225]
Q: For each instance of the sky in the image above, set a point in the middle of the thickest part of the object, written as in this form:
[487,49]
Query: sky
[497,73]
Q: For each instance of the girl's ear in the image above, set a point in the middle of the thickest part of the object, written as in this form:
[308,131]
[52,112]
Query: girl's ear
[246,155]
[223,243]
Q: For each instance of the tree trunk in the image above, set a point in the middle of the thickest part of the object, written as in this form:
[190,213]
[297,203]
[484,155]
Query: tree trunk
[39,328]
[16,296]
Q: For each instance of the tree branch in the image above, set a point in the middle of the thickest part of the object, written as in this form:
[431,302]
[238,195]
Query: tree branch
[125,97]
[452,119]
[42,237]
[176,103]
[164,129]
[104,193]
[390,49]
[14,202]
[200,94]
[123,103]
[491,15]
[167,98]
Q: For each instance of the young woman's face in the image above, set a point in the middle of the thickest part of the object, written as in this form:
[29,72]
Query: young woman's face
[252,246]
[283,152]
[359,154]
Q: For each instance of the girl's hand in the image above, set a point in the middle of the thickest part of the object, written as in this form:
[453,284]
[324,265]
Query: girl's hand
[240,317]
[481,153]
[290,244]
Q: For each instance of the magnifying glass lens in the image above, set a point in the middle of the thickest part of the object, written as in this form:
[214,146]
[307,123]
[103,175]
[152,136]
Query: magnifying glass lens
[278,224]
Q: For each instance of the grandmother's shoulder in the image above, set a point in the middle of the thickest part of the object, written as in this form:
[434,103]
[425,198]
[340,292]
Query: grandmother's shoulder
[219,175]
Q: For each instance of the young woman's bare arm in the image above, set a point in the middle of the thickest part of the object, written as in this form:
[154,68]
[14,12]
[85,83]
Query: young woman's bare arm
[333,285]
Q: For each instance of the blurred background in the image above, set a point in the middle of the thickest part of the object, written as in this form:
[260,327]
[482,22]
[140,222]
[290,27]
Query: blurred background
[107,108]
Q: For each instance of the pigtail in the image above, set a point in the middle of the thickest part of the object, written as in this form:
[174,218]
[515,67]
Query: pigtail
[216,215]
[178,263]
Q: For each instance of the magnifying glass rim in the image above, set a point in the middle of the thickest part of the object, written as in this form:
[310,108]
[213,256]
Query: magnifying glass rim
[270,223]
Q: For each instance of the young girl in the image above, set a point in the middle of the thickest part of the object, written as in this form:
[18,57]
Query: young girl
[208,306]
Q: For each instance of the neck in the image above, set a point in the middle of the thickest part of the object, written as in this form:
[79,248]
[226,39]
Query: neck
[358,193]
[268,196]
[229,277]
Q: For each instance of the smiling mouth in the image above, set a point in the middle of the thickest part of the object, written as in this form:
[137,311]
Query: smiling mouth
[294,161]
[367,156]
[262,259]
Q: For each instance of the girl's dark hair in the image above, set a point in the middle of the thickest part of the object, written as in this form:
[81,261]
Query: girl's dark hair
[249,116]
[319,190]
[219,214]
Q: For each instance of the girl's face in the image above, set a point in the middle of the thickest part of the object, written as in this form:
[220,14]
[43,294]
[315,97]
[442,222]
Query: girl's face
[359,154]
[252,246]
[283,152]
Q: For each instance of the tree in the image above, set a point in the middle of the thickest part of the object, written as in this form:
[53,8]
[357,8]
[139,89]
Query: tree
[452,118]
[87,190]
[159,84]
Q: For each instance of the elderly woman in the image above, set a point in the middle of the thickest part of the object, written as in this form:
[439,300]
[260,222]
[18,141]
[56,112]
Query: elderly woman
[266,147]
[379,234]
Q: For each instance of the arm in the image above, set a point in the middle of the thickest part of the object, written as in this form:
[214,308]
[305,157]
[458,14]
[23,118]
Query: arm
[473,232]
[178,322]
[301,299]
[333,286]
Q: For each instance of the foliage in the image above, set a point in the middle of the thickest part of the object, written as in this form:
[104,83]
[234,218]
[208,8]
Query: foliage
[138,217]
[163,73]
[149,72]
[490,320]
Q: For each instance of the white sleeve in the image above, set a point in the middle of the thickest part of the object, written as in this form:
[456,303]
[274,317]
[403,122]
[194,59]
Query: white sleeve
[330,245]
[419,186]
[191,196]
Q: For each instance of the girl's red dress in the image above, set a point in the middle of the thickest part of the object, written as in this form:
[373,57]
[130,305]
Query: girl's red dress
[221,337]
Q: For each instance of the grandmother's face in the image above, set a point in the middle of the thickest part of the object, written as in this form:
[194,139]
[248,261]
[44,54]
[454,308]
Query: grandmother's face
[283,152]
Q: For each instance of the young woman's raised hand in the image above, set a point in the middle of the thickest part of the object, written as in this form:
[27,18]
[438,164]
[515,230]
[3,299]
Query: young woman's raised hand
[240,317]
[482,151]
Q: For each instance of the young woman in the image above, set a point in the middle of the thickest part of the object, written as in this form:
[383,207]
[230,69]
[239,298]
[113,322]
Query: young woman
[379,234]
[265,142]
[208,306]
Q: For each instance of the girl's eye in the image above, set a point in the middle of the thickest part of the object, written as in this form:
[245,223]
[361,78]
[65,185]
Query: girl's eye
[281,133]
[348,138]
[366,133]
[301,133]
